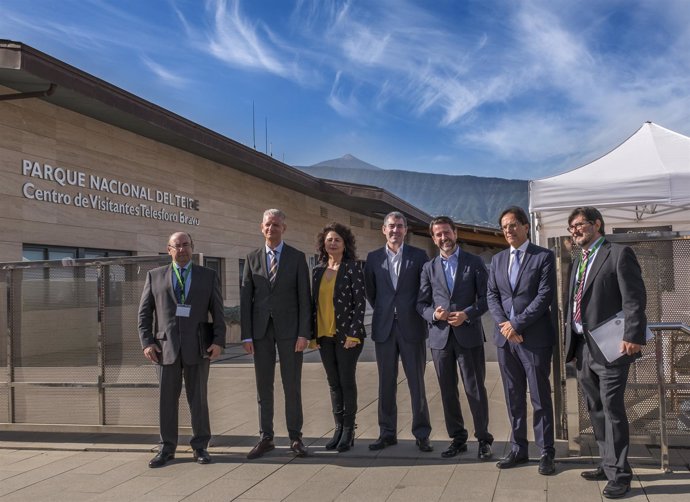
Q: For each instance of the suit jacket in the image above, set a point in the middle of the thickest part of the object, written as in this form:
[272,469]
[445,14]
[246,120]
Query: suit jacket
[349,300]
[530,300]
[179,335]
[468,295]
[287,302]
[386,300]
[613,283]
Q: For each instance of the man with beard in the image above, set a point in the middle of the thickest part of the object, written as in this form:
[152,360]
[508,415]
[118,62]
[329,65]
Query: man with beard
[605,281]
[452,299]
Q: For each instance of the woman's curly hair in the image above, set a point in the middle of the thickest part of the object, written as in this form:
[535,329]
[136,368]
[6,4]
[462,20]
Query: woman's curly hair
[348,237]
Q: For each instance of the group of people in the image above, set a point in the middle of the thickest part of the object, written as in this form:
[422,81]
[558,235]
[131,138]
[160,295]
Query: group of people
[416,302]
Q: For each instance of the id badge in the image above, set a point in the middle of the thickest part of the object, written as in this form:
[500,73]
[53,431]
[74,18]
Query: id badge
[183,310]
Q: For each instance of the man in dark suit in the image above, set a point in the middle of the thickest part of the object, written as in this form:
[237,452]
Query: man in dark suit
[452,299]
[174,308]
[606,280]
[392,283]
[522,282]
[275,307]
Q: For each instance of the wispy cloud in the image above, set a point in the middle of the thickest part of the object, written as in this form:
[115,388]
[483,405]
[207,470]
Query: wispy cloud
[345,104]
[165,75]
[251,45]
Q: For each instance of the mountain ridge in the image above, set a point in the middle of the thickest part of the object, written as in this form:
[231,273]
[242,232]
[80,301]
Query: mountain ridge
[468,199]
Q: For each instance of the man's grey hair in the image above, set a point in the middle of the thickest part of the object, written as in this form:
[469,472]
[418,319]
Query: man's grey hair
[274,212]
[395,215]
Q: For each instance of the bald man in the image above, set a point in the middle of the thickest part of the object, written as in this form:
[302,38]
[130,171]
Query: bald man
[173,311]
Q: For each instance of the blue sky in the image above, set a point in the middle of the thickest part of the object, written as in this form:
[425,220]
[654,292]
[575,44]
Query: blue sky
[508,88]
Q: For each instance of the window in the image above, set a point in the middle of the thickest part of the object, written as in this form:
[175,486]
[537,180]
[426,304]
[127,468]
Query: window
[217,265]
[38,252]
[241,271]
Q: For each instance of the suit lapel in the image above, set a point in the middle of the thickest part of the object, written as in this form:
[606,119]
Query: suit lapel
[194,284]
[438,271]
[167,277]
[502,263]
[458,271]
[262,261]
[283,259]
[526,257]
[386,268]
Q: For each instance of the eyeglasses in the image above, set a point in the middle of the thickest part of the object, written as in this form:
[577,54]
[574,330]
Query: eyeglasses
[577,226]
[184,245]
[510,227]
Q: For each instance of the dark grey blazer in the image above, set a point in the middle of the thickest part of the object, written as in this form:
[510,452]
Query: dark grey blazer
[468,295]
[531,299]
[386,300]
[614,283]
[180,334]
[288,302]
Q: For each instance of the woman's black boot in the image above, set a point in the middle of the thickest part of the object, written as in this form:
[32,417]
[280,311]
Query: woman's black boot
[347,439]
[337,432]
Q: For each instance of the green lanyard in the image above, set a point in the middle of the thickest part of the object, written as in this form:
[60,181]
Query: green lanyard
[181,280]
[582,269]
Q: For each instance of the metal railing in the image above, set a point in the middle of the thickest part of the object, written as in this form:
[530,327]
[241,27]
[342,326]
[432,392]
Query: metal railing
[670,390]
[70,358]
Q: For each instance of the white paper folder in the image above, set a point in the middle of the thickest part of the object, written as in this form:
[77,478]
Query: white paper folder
[608,336]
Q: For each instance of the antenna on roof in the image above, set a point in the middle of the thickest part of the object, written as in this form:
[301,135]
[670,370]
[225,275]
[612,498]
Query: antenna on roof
[266,124]
[253,126]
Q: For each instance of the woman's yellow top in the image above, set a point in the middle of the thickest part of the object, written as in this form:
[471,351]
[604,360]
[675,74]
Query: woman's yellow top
[325,314]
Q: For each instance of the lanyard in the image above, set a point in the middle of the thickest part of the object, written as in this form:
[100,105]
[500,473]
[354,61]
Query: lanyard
[181,280]
[582,268]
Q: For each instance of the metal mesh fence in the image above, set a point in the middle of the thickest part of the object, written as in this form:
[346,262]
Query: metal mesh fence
[74,351]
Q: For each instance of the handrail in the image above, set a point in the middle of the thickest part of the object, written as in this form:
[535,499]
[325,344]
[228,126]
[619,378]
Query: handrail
[669,326]
[659,353]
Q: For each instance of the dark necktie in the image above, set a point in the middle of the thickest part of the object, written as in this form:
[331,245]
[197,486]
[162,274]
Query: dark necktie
[273,269]
[180,286]
[580,287]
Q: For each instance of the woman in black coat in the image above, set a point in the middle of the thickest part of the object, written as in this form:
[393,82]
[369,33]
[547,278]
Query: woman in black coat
[338,323]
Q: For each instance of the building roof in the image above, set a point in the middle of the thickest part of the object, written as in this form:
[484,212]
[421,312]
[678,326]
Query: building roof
[33,73]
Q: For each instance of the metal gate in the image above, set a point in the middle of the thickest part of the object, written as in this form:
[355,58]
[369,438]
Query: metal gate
[70,356]
[658,390]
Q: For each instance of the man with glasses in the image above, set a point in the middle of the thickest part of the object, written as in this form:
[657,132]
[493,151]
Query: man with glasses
[173,329]
[606,281]
[522,282]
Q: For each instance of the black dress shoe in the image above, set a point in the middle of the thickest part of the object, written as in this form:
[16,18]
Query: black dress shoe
[597,474]
[547,464]
[453,449]
[262,447]
[161,459]
[297,446]
[201,456]
[382,442]
[484,451]
[511,460]
[424,445]
[616,490]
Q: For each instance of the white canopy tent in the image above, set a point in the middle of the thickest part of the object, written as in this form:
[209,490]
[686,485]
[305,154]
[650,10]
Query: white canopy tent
[645,182]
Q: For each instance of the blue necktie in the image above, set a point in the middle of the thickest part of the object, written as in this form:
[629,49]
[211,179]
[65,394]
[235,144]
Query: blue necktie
[448,272]
[514,268]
